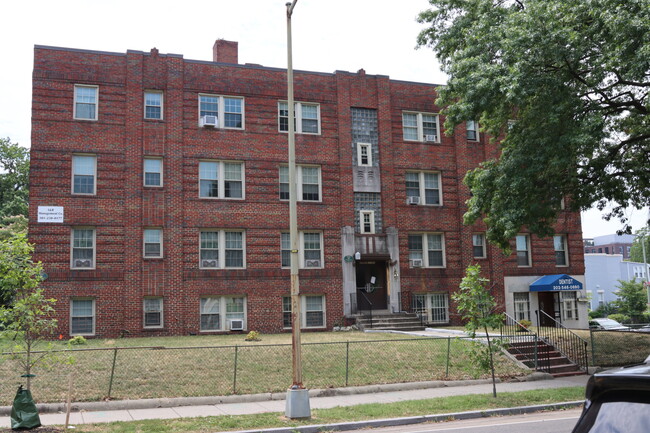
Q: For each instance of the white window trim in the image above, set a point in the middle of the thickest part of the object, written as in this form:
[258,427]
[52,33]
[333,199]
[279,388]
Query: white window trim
[144,242]
[565,245]
[371,214]
[73,174]
[144,172]
[484,246]
[222,249]
[223,321]
[425,249]
[144,313]
[421,186]
[94,304]
[303,312]
[298,117]
[221,179]
[571,302]
[361,146]
[528,250]
[516,303]
[299,183]
[476,130]
[420,126]
[428,306]
[221,118]
[162,104]
[94,264]
[74,102]
[301,250]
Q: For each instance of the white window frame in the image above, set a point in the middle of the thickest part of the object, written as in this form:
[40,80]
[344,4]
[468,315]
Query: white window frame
[147,310]
[562,239]
[425,250]
[298,106]
[76,101]
[147,105]
[221,110]
[94,316]
[422,189]
[302,261]
[224,315]
[569,305]
[368,149]
[93,247]
[300,182]
[431,305]
[601,297]
[472,128]
[94,174]
[221,179]
[421,136]
[521,306]
[362,223]
[222,250]
[159,172]
[478,240]
[145,242]
[518,239]
[303,311]
[286,311]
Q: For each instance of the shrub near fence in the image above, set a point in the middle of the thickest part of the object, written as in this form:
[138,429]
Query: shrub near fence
[618,348]
[159,372]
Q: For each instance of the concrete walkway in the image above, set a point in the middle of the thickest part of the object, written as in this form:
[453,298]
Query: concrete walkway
[132,410]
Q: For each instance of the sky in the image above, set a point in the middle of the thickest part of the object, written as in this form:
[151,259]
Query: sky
[378,36]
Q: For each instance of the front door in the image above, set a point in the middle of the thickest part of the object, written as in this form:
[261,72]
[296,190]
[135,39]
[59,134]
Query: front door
[547,305]
[371,285]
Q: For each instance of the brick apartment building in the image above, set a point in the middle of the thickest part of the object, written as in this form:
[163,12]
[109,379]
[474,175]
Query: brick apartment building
[159,199]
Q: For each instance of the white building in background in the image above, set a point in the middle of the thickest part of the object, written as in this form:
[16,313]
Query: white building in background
[602,275]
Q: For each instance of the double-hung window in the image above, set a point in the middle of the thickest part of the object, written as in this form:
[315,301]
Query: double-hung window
[367,221]
[153,105]
[569,305]
[84,174]
[426,250]
[152,171]
[308,179]
[83,248]
[221,179]
[221,249]
[312,309]
[423,188]
[560,246]
[310,254]
[364,154]
[432,307]
[523,250]
[420,127]
[153,243]
[522,305]
[85,102]
[219,312]
[152,309]
[478,246]
[82,316]
[472,130]
[307,117]
[221,111]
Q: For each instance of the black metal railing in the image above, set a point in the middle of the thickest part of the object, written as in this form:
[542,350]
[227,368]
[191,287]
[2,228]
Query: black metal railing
[565,341]
[369,304]
[526,343]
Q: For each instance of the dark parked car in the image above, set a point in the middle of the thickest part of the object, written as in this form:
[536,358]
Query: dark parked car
[617,400]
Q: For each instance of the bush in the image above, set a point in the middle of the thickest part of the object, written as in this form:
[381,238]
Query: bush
[620,318]
[77,341]
[525,324]
[253,336]
[603,310]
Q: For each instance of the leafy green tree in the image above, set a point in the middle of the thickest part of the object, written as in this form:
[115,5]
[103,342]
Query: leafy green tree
[14,178]
[632,298]
[17,270]
[636,251]
[478,309]
[12,226]
[564,84]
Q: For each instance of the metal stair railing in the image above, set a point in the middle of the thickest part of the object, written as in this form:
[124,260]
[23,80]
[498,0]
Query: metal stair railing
[369,304]
[517,334]
[565,341]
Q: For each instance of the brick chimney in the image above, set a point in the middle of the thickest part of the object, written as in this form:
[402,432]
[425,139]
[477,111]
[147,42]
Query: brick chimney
[225,51]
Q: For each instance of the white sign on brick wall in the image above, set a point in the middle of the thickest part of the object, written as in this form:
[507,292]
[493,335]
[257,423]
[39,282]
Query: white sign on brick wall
[50,214]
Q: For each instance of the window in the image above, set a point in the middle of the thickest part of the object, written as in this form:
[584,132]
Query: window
[420,127]
[217,244]
[432,307]
[522,306]
[427,250]
[152,172]
[153,243]
[307,117]
[312,311]
[569,305]
[364,154]
[424,187]
[560,246]
[478,246]
[286,312]
[601,298]
[83,248]
[523,250]
[310,256]
[472,130]
[218,312]
[84,173]
[229,111]
[85,102]
[153,102]
[308,182]
[230,184]
[367,221]
[153,312]
[82,317]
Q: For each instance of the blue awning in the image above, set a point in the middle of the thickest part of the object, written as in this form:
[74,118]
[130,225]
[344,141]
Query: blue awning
[555,283]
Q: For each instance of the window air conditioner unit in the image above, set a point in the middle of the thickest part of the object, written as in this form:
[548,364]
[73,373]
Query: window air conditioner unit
[208,121]
[208,263]
[416,263]
[312,263]
[413,200]
[430,138]
[83,263]
[236,325]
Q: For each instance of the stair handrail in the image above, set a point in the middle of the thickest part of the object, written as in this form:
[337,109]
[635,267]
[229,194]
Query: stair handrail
[567,342]
[515,332]
[369,304]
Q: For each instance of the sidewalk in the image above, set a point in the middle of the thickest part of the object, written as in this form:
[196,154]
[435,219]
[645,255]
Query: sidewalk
[133,410]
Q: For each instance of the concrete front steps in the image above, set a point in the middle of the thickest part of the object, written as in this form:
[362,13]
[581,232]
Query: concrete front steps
[559,365]
[385,321]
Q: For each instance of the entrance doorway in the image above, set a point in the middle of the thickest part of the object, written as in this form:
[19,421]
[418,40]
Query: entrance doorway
[549,303]
[371,285]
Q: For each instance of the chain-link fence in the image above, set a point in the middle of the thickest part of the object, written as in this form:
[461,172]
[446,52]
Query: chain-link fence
[618,348]
[156,372]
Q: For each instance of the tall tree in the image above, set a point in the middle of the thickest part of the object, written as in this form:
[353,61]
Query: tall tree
[632,299]
[14,178]
[636,251]
[564,84]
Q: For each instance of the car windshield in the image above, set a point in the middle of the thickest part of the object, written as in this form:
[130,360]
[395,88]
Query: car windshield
[609,323]
[624,417]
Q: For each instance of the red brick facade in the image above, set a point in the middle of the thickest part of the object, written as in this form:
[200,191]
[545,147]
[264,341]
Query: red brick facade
[121,207]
